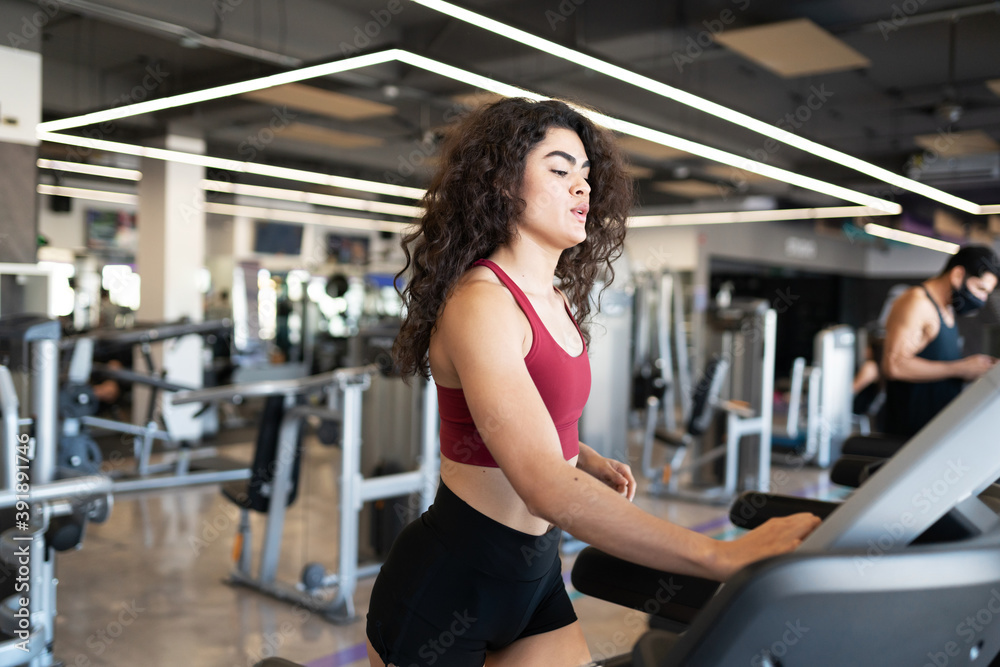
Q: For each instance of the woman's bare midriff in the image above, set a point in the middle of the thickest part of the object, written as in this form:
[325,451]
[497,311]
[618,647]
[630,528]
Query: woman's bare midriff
[488,491]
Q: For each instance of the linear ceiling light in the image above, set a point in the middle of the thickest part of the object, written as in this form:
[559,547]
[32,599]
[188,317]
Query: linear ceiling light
[306,218]
[991,209]
[284,215]
[218,92]
[699,103]
[313,198]
[84,193]
[658,137]
[911,238]
[478,81]
[235,165]
[724,217]
[90,169]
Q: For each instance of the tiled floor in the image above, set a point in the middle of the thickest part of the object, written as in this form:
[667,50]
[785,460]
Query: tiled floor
[147,588]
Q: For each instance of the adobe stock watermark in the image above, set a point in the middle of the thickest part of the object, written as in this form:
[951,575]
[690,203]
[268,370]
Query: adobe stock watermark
[153,78]
[363,35]
[695,45]
[968,629]
[100,642]
[793,633]
[917,164]
[739,177]
[273,641]
[901,14]
[565,9]
[636,620]
[280,119]
[923,502]
[32,25]
[433,650]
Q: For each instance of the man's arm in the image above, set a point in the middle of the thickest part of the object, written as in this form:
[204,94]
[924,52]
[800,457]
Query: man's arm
[906,336]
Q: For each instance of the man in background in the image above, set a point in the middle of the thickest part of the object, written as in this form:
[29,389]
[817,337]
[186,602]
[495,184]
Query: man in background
[922,360]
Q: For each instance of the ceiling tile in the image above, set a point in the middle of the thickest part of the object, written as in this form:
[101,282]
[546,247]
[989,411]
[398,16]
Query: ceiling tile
[729,173]
[691,189]
[649,149]
[639,173]
[793,48]
[954,144]
[323,102]
[477,99]
[327,137]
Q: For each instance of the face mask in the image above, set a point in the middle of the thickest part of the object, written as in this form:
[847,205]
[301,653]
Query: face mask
[965,302]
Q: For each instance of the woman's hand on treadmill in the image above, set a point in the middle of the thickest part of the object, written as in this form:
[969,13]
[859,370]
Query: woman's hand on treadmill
[775,536]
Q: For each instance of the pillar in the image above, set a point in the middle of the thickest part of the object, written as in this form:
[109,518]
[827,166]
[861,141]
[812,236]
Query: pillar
[170,257]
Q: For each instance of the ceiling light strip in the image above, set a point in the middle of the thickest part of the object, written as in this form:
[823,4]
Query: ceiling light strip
[492,85]
[235,165]
[745,164]
[911,238]
[89,169]
[658,137]
[218,92]
[306,218]
[334,201]
[85,193]
[728,217]
[990,209]
[699,103]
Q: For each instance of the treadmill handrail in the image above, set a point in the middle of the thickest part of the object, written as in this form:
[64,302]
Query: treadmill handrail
[291,387]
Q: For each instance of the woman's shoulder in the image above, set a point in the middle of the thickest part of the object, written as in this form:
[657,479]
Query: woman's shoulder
[478,297]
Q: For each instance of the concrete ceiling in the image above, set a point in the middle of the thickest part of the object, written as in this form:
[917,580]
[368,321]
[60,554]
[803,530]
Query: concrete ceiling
[929,59]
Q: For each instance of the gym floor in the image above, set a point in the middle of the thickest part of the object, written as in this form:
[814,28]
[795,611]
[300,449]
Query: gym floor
[147,586]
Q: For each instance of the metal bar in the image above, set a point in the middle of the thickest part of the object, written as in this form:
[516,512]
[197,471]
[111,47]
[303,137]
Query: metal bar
[350,492]
[795,398]
[9,408]
[288,437]
[177,481]
[149,334]
[680,344]
[388,486]
[302,411]
[76,488]
[813,417]
[133,377]
[44,390]
[663,325]
[429,450]
[123,427]
[733,435]
[767,402]
[11,655]
[273,387]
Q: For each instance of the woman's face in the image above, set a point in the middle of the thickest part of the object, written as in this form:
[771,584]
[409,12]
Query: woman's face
[556,191]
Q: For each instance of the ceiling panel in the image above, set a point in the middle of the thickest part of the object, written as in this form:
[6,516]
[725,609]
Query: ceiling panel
[320,101]
[793,48]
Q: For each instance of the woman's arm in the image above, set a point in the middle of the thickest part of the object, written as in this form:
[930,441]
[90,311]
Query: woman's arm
[483,331]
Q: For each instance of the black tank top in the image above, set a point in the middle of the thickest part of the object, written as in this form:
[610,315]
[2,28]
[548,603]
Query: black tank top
[910,405]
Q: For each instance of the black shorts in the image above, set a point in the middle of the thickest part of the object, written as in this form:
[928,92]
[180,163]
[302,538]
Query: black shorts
[458,584]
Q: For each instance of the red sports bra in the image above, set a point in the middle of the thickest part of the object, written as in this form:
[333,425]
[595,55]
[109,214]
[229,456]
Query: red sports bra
[563,381]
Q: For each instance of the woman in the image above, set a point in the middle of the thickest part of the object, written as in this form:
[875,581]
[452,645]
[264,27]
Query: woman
[538,192]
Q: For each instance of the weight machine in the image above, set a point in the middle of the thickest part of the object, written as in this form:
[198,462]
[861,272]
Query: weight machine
[743,333]
[328,594]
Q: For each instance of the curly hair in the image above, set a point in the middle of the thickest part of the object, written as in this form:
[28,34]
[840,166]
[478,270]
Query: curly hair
[473,203]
